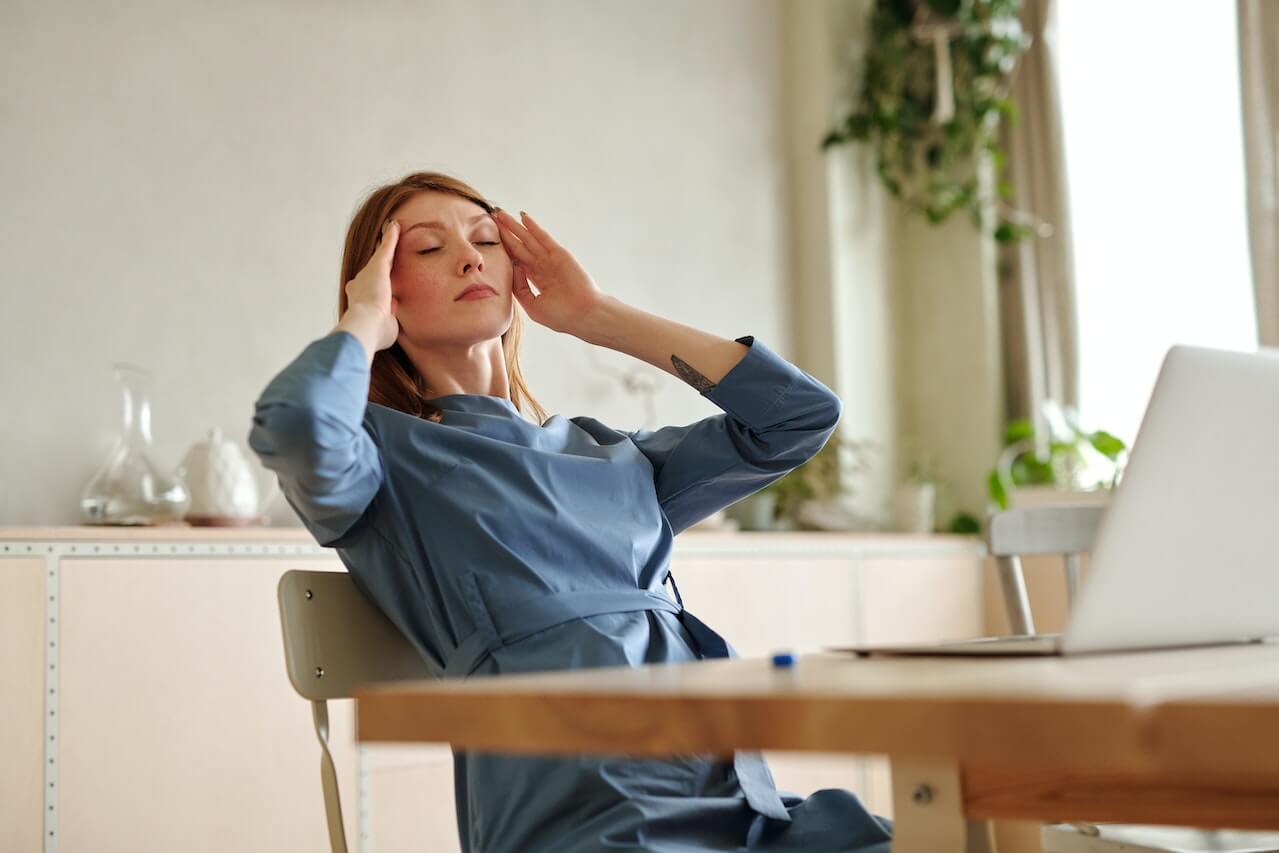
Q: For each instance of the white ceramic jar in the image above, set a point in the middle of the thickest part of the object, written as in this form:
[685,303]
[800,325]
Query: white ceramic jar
[222,484]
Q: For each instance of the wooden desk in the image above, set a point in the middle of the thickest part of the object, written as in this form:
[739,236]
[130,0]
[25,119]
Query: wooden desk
[1189,737]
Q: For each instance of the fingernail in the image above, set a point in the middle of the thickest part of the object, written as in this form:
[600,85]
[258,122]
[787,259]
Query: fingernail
[522,213]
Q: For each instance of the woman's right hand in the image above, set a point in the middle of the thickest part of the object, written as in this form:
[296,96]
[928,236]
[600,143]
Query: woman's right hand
[370,307]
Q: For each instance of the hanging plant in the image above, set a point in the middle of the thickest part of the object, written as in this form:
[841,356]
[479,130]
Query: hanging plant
[934,91]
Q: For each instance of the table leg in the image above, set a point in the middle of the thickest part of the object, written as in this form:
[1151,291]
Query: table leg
[928,810]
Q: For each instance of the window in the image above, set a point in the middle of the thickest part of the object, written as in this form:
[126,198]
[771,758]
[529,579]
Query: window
[1154,158]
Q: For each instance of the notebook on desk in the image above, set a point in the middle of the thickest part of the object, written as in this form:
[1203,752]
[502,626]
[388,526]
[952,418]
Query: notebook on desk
[1187,553]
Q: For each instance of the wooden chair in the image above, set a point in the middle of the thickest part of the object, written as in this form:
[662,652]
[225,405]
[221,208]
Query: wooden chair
[1070,532]
[334,640]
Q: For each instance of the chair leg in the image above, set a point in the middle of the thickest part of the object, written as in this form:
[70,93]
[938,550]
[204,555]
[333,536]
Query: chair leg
[1016,603]
[928,810]
[1072,581]
[329,778]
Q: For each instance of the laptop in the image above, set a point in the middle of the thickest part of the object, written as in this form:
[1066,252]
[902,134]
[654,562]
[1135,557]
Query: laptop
[1187,553]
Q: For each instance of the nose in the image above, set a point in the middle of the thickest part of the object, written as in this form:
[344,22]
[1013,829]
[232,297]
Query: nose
[470,260]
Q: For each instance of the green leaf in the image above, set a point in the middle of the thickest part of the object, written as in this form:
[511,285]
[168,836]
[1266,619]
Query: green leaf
[963,523]
[1018,430]
[1028,470]
[832,139]
[1108,445]
[859,126]
[1011,232]
[995,486]
[1008,109]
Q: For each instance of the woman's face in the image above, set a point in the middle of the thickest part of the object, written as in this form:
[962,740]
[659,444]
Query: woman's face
[447,244]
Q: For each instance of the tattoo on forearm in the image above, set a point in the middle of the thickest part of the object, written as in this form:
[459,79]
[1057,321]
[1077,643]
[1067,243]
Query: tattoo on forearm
[690,375]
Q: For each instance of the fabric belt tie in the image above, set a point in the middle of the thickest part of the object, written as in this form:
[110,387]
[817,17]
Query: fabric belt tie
[508,624]
[499,626]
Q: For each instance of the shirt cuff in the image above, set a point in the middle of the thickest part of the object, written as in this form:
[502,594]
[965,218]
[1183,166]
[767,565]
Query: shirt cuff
[754,387]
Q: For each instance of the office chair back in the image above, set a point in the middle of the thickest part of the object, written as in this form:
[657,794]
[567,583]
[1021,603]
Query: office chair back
[334,640]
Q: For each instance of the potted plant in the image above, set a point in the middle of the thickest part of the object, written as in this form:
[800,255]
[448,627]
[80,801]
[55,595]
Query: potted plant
[1076,458]
[935,86]
[813,496]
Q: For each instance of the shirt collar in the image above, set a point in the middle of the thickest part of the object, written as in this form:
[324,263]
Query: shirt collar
[477,403]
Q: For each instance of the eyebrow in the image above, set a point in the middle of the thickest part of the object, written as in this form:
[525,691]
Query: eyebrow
[436,224]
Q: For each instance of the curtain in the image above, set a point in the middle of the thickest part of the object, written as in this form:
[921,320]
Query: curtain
[1259,82]
[1037,292]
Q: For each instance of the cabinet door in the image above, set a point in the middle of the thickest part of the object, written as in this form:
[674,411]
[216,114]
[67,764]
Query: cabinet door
[179,729]
[22,632]
[921,600]
[767,604]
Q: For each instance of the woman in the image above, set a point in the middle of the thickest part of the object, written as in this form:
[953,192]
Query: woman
[499,546]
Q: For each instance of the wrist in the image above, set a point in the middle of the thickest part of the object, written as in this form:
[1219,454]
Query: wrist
[601,324]
[362,321]
[361,312]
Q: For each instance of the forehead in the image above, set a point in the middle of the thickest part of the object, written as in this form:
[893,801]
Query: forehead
[445,207]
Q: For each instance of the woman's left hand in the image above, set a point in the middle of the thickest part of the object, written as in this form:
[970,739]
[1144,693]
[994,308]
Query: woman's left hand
[566,294]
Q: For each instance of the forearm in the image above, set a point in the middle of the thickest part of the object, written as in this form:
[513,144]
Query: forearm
[699,358]
[308,421]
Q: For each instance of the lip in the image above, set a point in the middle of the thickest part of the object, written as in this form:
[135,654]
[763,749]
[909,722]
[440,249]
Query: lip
[476,291]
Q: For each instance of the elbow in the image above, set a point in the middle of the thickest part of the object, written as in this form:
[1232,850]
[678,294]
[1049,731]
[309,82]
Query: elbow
[281,436]
[822,422]
[834,411]
[822,414]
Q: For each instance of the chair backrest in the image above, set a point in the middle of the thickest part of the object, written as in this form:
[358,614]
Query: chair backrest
[334,640]
[1066,530]
[1043,530]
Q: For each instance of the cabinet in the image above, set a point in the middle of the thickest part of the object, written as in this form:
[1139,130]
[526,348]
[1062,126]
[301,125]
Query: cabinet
[144,704]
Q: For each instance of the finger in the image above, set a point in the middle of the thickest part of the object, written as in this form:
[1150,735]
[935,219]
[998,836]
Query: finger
[515,247]
[538,232]
[387,241]
[519,285]
[520,231]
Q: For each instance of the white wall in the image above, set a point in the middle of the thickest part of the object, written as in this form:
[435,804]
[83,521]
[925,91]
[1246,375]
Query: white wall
[178,179]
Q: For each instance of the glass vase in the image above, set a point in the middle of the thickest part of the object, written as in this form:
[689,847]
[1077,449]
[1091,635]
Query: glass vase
[129,489]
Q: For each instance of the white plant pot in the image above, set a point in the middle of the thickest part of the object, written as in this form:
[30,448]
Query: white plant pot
[915,508]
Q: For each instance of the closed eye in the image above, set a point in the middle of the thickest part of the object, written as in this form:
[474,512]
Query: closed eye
[437,248]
